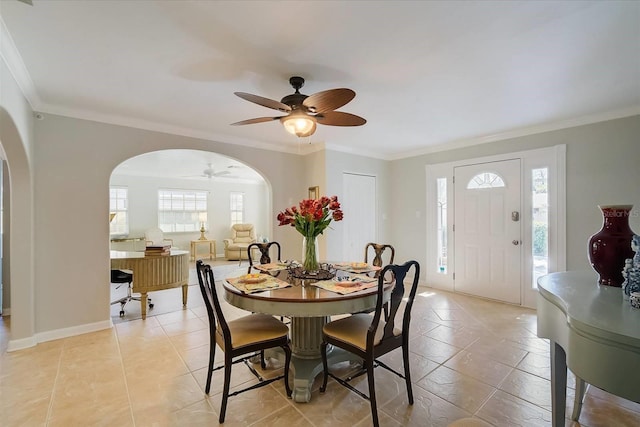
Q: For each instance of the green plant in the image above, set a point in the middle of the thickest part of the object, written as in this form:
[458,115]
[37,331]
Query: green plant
[540,233]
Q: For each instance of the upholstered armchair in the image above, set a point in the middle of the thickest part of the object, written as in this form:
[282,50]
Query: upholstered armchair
[242,235]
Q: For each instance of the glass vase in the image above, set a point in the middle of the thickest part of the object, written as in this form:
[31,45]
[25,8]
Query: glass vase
[310,262]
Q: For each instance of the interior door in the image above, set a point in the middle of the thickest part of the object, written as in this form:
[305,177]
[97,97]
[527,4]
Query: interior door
[359,207]
[487,230]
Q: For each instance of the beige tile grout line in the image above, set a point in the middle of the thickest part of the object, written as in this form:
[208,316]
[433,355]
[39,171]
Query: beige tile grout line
[53,389]
[205,396]
[124,375]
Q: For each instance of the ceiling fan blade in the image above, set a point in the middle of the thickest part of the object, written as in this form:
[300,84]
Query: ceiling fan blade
[338,118]
[328,100]
[256,120]
[265,102]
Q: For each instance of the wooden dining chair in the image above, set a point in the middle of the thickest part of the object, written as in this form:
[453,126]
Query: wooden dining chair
[371,336]
[264,248]
[378,251]
[265,258]
[240,337]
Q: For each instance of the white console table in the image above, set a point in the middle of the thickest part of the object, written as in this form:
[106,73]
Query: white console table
[594,332]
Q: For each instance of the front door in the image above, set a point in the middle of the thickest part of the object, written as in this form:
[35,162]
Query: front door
[487,230]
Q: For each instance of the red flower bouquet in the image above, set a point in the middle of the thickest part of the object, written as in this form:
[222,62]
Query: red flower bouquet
[311,218]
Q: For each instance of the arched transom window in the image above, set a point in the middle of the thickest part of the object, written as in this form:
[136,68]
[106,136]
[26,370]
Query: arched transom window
[485,180]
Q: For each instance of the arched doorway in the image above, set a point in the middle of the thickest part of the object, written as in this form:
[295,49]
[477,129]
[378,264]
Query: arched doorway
[139,188]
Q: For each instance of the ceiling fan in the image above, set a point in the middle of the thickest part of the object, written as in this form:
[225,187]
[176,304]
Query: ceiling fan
[209,172]
[304,111]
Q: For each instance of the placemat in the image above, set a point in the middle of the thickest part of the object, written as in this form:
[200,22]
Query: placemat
[270,282]
[363,278]
[272,266]
[346,266]
[354,286]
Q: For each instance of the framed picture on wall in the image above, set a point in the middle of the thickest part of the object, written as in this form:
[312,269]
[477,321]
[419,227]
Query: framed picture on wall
[314,192]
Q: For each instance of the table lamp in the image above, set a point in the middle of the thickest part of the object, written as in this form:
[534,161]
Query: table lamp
[202,216]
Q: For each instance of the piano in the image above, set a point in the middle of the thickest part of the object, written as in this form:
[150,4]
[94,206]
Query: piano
[154,273]
[594,332]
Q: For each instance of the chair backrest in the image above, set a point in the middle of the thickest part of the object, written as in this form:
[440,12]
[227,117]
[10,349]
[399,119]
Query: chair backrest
[397,295]
[378,250]
[217,322]
[155,237]
[243,233]
[265,257]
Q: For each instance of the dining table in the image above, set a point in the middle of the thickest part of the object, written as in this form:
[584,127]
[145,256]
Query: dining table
[309,303]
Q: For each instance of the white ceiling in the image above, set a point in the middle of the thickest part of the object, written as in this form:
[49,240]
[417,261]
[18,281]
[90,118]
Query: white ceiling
[428,75]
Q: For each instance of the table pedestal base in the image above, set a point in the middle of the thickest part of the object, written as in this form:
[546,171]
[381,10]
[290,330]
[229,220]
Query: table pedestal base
[306,359]
[306,336]
[306,370]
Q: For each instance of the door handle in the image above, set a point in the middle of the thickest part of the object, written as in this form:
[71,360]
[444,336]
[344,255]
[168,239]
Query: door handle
[515,242]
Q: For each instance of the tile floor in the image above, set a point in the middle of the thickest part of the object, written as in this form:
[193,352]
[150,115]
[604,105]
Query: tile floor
[469,357]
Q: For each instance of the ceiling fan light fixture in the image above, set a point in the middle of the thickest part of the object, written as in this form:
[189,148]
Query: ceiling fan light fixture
[305,112]
[299,125]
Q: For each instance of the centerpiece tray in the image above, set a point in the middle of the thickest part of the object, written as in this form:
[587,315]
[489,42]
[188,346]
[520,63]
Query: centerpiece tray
[326,272]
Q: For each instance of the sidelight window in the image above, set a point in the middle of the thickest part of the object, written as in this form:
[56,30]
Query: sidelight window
[442,224]
[540,223]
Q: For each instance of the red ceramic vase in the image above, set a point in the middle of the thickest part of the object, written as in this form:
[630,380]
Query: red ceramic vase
[610,246]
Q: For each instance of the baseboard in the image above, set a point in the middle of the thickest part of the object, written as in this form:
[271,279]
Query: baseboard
[56,334]
[439,286]
[73,331]
[14,345]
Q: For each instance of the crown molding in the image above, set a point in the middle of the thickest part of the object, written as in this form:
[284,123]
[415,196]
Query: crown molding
[286,147]
[357,152]
[526,131]
[12,58]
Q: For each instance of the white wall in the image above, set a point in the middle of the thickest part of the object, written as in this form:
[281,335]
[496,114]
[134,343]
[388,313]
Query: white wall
[336,164]
[602,168]
[16,147]
[75,159]
[315,175]
[143,206]
[6,252]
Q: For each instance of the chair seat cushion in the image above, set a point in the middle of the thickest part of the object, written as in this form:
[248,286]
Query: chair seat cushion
[353,330]
[253,329]
[121,276]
